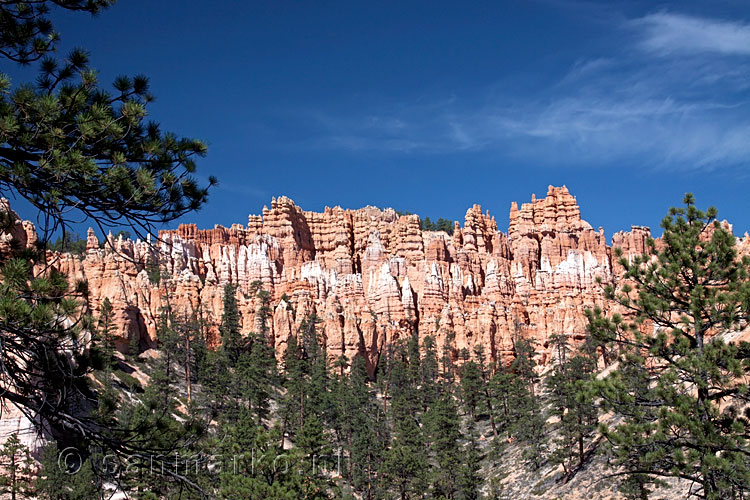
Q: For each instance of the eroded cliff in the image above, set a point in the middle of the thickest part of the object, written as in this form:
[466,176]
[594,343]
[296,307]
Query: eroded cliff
[371,275]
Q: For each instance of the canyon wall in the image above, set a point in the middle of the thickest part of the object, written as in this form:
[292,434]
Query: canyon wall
[370,275]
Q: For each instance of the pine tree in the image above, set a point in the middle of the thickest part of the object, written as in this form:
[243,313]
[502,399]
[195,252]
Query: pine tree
[265,469]
[429,373]
[199,344]
[241,441]
[446,359]
[293,404]
[231,340]
[442,426]
[471,387]
[342,407]
[415,359]
[179,338]
[113,167]
[366,448]
[264,310]
[306,378]
[313,443]
[386,361]
[15,458]
[106,334]
[572,401]
[485,371]
[524,363]
[217,383]
[509,395]
[680,388]
[56,483]
[319,385]
[75,151]
[134,345]
[155,423]
[253,381]
[470,480]
[255,369]
[107,399]
[404,467]
[517,406]
[400,381]
[309,341]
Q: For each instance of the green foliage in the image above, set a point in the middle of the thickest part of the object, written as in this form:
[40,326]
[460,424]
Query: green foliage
[679,388]
[311,439]
[122,233]
[16,462]
[429,373]
[442,426]
[426,224]
[71,146]
[307,378]
[368,432]
[262,469]
[469,479]
[439,225]
[572,401]
[72,243]
[34,311]
[471,387]
[217,381]
[154,422]
[103,346]
[256,374]
[446,360]
[264,312]
[153,270]
[56,483]
[26,34]
[231,339]
[516,406]
[404,467]
[134,344]
[129,382]
[75,150]
[293,404]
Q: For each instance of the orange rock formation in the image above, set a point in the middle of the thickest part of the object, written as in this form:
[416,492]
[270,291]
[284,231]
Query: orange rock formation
[371,275]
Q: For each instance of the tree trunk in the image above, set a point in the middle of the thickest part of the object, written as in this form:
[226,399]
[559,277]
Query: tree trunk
[13,477]
[492,413]
[580,451]
[301,410]
[385,398]
[283,430]
[580,440]
[187,367]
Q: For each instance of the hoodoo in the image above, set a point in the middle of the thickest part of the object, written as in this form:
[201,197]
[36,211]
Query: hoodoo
[371,275]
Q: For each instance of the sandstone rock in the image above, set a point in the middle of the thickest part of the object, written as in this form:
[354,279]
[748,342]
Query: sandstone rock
[369,274]
[16,233]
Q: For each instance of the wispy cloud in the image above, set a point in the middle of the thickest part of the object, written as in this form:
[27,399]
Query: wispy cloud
[681,101]
[667,33]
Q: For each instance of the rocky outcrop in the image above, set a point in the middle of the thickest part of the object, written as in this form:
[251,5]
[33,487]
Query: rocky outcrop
[370,275]
[15,233]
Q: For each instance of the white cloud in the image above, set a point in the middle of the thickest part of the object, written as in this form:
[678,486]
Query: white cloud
[683,103]
[666,33]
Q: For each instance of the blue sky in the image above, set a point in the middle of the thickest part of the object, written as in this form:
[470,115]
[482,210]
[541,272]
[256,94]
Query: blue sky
[434,106]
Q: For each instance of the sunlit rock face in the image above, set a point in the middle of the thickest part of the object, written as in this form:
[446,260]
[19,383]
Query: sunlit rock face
[370,275]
